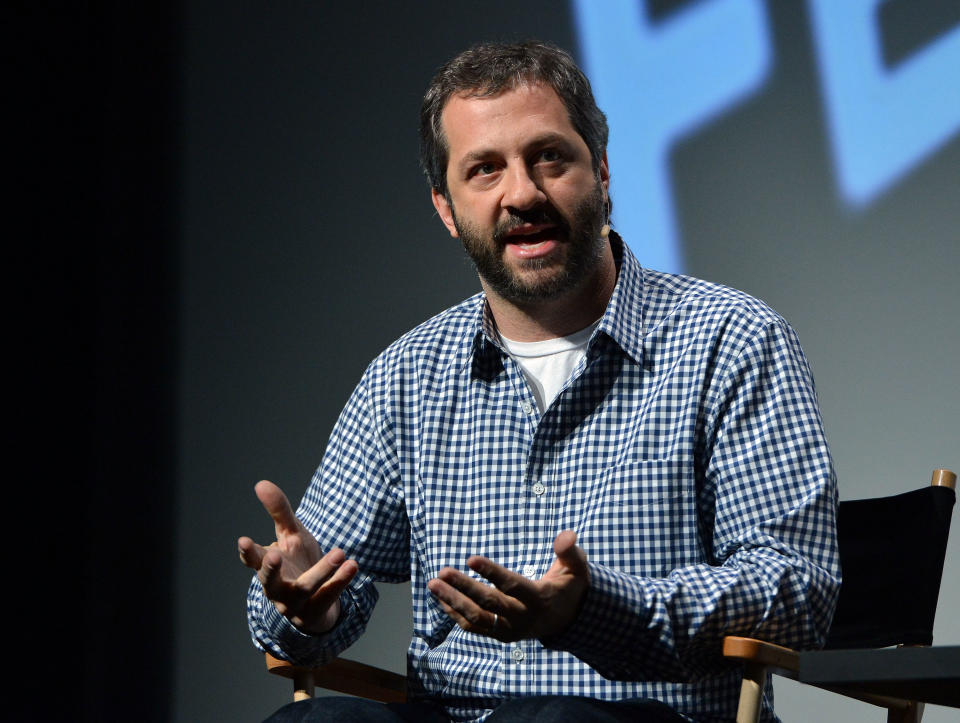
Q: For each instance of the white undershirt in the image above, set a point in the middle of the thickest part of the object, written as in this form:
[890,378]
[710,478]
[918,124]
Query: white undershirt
[548,364]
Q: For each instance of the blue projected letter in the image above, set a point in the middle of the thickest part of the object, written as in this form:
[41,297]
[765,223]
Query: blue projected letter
[657,82]
[882,122]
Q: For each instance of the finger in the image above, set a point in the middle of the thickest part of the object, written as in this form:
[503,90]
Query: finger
[483,594]
[462,609]
[507,581]
[450,611]
[251,554]
[277,505]
[327,593]
[470,627]
[321,571]
[270,575]
[457,603]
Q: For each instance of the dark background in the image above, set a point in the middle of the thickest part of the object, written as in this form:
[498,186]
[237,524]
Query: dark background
[232,223]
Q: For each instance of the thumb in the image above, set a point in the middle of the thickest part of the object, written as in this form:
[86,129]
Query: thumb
[567,552]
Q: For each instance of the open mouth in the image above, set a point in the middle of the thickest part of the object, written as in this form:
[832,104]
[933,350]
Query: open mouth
[530,235]
[530,241]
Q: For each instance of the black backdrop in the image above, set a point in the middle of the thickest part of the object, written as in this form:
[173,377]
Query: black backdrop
[100,151]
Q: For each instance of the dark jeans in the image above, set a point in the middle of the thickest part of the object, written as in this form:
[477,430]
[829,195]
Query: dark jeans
[538,709]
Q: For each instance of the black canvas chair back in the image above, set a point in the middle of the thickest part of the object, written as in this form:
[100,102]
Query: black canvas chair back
[891,551]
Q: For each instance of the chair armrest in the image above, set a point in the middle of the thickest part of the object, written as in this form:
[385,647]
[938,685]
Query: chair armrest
[344,676]
[758,657]
[751,650]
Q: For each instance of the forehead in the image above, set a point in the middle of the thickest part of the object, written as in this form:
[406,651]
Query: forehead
[504,121]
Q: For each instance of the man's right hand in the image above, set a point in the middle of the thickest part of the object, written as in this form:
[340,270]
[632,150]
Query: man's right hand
[302,582]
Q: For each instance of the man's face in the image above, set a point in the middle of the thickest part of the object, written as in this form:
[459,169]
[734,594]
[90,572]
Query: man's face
[523,195]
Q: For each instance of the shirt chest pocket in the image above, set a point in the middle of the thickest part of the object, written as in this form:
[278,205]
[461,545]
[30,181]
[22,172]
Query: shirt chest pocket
[643,518]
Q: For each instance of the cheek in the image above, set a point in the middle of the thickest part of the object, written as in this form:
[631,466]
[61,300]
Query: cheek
[572,187]
[479,210]
[566,200]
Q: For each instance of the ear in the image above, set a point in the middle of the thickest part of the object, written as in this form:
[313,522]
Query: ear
[604,173]
[445,211]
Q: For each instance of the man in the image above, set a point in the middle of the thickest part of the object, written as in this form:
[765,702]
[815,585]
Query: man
[591,472]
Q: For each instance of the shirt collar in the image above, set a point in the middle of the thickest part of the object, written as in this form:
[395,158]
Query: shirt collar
[486,349]
[622,321]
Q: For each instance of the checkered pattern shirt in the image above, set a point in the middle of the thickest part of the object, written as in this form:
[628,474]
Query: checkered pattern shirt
[686,451]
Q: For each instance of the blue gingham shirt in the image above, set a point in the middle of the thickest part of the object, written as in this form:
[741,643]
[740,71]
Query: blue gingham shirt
[686,451]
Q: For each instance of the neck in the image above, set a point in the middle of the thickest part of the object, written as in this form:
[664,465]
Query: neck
[565,314]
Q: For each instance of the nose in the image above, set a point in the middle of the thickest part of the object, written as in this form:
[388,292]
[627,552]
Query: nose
[521,190]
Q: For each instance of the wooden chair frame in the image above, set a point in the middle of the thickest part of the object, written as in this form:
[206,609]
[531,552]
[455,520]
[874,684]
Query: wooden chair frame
[760,657]
[342,676]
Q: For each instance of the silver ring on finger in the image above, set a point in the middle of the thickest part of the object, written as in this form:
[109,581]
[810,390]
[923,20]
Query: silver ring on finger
[496,619]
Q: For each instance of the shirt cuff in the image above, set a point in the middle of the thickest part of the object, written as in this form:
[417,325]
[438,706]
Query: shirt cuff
[308,648]
[612,614]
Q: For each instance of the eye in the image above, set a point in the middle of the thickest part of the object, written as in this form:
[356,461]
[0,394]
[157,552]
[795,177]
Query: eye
[482,169]
[549,155]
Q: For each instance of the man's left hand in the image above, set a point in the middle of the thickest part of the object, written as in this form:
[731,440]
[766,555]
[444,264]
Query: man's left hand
[515,607]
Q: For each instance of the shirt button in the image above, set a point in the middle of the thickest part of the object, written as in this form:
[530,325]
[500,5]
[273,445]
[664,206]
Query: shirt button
[517,654]
[527,408]
[529,571]
[539,489]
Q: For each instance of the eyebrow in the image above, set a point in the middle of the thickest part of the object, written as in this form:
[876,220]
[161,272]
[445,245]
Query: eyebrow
[482,154]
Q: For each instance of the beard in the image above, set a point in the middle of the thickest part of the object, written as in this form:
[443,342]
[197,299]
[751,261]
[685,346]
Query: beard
[541,282]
